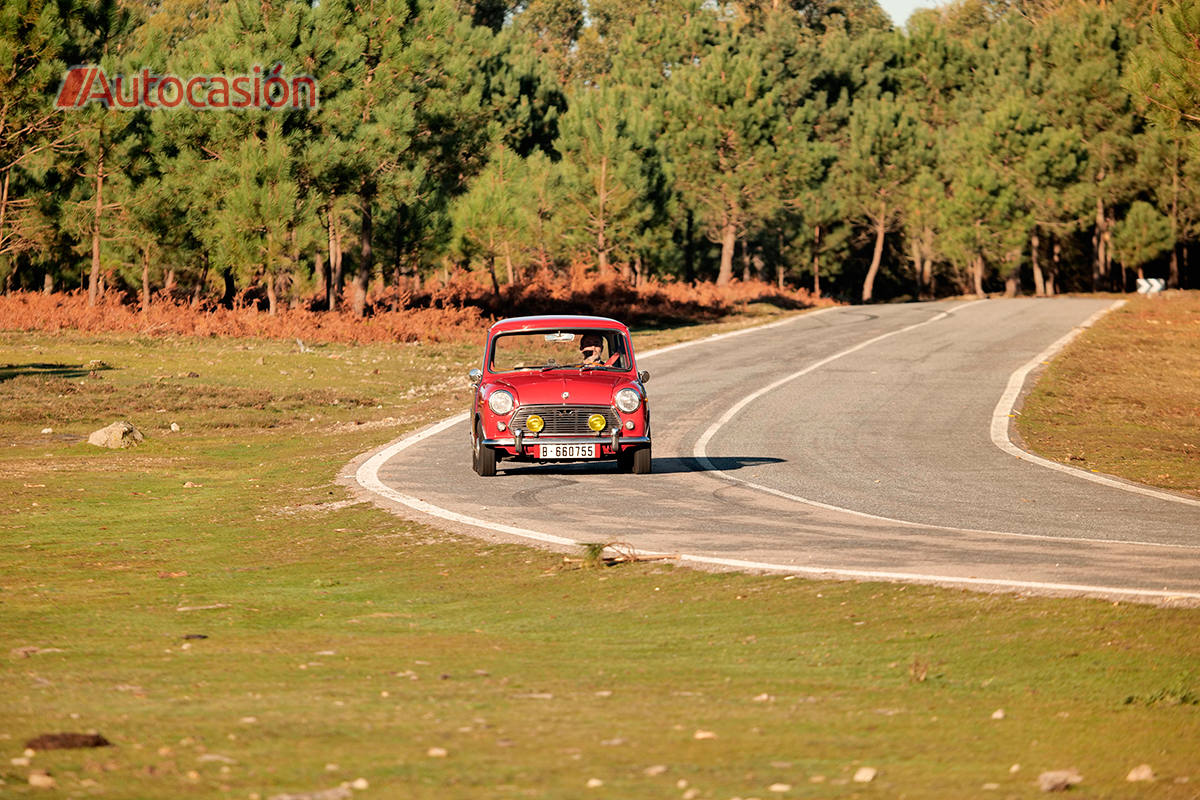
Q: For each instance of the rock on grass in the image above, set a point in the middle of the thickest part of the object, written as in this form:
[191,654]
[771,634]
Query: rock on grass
[1058,780]
[116,436]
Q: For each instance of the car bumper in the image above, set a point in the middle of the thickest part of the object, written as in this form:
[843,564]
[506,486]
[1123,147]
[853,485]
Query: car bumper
[519,445]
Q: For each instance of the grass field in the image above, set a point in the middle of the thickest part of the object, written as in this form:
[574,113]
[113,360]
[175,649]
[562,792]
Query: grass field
[343,643]
[1124,397]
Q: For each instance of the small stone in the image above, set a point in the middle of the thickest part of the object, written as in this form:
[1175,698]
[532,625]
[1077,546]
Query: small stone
[1014,769]
[691,794]
[1058,780]
[990,787]
[657,769]
[212,758]
[594,783]
[21,761]
[190,485]
[1142,772]
[332,767]
[763,698]
[437,752]
[704,735]
[998,713]
[248,720]
[865,774]
[116,436]
[47,430]
[359,784]
[779,788]
[40,780]
[174,427]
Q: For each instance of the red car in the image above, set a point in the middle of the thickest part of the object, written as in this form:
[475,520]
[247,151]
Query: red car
[559,388]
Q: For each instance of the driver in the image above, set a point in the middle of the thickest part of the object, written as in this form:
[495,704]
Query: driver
[591,348]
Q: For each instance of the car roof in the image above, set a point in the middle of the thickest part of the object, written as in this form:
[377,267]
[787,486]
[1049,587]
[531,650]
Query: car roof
[555,322]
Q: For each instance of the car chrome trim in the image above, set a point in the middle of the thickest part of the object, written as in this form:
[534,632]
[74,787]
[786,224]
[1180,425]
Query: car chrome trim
[625,440]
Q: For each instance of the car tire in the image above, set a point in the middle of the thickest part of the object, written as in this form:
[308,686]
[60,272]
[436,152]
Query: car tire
[483,458]
[625,460]
[641,461]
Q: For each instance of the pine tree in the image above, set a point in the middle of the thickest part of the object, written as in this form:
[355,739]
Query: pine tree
[722,118]
[1141,237]
[605,141]
[31,45]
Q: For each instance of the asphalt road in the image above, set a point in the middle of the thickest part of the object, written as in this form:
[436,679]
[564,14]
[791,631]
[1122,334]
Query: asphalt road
[873,463]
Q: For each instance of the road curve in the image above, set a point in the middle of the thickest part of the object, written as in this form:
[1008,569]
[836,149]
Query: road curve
[854,442]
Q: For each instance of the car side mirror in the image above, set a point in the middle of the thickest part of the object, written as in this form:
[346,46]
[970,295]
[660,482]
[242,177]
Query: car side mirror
[644,376]
[476,375]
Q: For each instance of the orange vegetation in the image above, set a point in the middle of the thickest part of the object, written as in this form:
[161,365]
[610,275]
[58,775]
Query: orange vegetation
[455,310]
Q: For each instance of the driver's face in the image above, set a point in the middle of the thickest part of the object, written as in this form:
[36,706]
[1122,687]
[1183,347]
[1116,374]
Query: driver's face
[591,346]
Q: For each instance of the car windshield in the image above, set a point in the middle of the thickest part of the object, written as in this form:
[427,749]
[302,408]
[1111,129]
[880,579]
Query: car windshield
[572,348]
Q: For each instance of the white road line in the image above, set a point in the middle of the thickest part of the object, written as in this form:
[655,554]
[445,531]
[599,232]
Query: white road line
[1005,411]
[716,337]
[367,476]
[700,450]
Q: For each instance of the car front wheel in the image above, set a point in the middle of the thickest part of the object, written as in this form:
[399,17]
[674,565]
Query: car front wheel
[483,458]
[635,461]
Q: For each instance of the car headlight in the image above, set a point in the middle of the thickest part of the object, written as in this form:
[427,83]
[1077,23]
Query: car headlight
[628,400]
[500,402]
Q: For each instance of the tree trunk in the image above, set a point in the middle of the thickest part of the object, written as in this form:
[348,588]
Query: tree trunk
[728,242]
[1039,282]
[48,284]
[322,275]
[1098,272]
[230,288]
[510,273]
[94,275]
[491,262]
[1173,274]
[145,280]
[334,290]
[816,261]
[745,263]
[272,297]
[362,276]
[1012,286]
[3,217]
[1052,277]
[915,255]
[868,290]
[977,274]
[201,282]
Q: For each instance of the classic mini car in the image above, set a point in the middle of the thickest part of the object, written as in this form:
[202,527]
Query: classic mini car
[559,388]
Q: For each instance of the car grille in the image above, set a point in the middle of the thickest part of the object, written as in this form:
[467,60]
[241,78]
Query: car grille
[566,420]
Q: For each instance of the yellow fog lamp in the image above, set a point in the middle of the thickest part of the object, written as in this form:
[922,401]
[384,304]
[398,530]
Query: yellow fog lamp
[535,423]
[597,422]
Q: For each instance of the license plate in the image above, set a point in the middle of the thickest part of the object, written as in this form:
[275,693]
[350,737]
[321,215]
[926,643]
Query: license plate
[567,451]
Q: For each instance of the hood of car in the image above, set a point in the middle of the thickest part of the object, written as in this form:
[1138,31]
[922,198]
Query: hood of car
[546,388]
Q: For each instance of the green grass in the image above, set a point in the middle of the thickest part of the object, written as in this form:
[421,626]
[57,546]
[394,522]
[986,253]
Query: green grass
[1123,398]
[343,642]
